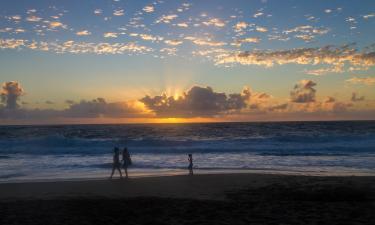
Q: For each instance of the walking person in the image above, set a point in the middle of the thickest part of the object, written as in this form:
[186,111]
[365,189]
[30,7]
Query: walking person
[116,162]
[190,167]
[126,160]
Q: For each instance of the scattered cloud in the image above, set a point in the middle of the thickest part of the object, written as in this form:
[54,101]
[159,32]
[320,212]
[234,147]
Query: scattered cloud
[11,43]
[33,18]
[328,55]
[56,24]
[184,25]
[364,80]
[148,37]
[368,16]
[240,26]
[258,14]
[214,22]
[166,18]
[83,33]
[110,35]
[261,29]
[98,11]
[205,42]
[239,42]
[148,9]
[174,42]
[118,12]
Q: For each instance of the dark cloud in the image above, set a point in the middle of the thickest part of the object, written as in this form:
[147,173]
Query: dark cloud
[329,99]
[69,102]
[197,102]
[100,108]
[355,98]
[279,107]
[12,91]
[10,94]
[303,92]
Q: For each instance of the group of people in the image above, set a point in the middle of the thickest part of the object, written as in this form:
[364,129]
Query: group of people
[126,161]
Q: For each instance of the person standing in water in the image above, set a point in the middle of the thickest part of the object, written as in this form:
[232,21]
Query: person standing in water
[116,162]
[126,160]
[190,167]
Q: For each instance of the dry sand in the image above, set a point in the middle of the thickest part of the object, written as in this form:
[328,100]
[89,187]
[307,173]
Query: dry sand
[199,199]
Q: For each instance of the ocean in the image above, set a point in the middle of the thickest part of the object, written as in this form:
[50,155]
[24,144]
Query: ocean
[85,151]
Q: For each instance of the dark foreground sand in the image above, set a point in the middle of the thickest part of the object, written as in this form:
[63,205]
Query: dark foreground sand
[201,199]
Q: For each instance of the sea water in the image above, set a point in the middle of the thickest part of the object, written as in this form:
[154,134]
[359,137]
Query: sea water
[85,151]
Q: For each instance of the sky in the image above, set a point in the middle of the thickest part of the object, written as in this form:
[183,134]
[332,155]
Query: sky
[125,61]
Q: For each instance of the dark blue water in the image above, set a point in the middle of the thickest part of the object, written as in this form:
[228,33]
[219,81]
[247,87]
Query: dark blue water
[76,150]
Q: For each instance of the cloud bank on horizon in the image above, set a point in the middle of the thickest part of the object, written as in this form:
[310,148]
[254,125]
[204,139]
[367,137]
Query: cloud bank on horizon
[196,102]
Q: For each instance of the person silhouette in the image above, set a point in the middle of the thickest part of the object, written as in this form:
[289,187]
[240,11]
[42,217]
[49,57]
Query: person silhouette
[116,162]
[126,160]
[190,167]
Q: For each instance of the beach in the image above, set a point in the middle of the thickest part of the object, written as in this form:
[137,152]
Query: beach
[198,199]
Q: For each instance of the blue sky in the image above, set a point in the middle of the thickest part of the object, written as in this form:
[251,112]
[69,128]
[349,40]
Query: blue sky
[124,50]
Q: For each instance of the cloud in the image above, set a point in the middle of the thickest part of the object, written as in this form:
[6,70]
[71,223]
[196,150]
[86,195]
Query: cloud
[148,9]
[196,102]
[258,14]
[98,11]
[110,35]
[11,43]
[33,18]
[204,102]
[205,42]
[329,99]
[56,24]
[328,55]
[76,47]
[261,29]
[184,25]
[214,22]
[173,42]
[307,32]
[169,51]
[303,92]
[96,108]
[328,10]
[365,80]
[148,37]
[323,71]
[278,107]
[83,33]
[239,42]
[10,94]
[118,12]
[368,16]
[166,18]
[238,27]
[101,108]
[355,98]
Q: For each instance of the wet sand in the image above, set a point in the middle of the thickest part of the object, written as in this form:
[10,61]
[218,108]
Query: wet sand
[198,199]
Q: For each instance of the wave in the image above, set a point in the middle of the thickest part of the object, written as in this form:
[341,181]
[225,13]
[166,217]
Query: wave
[282,146]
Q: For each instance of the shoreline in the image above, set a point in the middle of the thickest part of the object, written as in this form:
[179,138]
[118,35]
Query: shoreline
[182,172]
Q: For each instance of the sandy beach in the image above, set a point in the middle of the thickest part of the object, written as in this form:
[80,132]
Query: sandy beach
[199,199]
